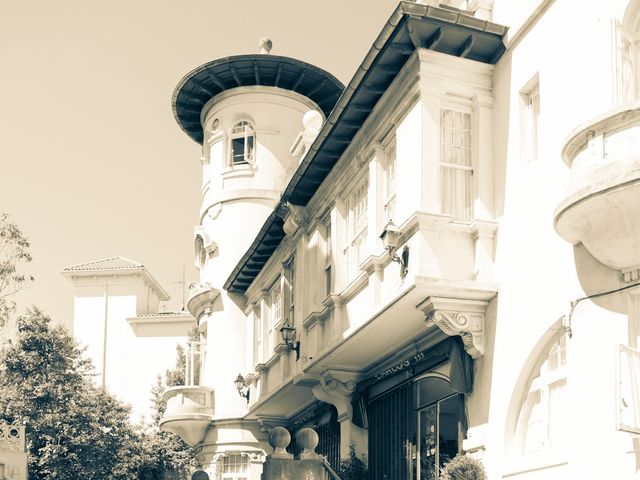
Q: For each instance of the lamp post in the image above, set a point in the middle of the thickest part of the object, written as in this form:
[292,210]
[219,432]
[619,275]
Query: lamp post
[390,237]
[240,384]
[288,333]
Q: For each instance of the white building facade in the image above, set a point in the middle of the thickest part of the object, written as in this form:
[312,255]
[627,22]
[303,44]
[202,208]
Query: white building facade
[392,264]
[129,340]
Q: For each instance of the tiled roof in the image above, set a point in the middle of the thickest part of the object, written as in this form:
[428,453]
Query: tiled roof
[113,263]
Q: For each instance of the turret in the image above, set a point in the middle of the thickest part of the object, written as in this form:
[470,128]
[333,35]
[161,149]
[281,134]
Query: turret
[254,116]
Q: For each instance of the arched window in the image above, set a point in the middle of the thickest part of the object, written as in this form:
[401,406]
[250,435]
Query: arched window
[242,139]
[542,422]
[200,253]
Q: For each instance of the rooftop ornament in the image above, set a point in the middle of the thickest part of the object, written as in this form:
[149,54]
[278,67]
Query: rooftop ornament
[265,45]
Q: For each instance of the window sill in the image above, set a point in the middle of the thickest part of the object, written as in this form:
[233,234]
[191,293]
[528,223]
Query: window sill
[239,170]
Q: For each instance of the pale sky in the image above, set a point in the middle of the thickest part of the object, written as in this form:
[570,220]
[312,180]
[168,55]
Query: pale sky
[93,164]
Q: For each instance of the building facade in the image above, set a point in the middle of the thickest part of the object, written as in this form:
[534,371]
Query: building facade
[404,264]
[129,340]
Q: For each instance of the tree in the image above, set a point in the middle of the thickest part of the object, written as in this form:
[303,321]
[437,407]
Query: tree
[170,457]
[74,429]
[14,251]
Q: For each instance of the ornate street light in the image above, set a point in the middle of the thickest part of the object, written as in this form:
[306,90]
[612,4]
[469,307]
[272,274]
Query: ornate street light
[240,384]
[288,333]
[390,239]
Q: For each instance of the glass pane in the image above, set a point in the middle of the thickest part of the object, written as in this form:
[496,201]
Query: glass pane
[431,389]
[237,150]
[557,413]
[532,425]
[448,430]
[428,445]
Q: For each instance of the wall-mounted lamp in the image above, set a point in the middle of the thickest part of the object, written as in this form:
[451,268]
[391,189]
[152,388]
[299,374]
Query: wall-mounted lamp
[240,384]
[288,333]
[390,239]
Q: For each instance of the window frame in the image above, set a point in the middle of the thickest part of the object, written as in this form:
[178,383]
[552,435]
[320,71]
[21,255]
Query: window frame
[541,383]
[244,462]
[356,233]
[467,215]
[389,165]
[248,134]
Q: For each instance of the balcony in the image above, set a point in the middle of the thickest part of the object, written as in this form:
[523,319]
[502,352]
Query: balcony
[188,413]
[201,298]
[600,209]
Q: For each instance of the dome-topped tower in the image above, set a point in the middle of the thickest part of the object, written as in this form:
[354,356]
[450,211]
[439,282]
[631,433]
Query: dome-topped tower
[246,111]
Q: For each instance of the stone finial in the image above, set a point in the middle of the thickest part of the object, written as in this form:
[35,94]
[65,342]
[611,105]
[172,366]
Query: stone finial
[265,45]
[279,439]
[307,439]
[312,121]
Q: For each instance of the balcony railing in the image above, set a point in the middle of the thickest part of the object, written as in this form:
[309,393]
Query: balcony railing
[600,205]
[188,412]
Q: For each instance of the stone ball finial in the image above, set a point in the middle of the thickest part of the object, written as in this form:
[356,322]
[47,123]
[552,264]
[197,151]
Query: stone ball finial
[265,44]
[312,120]
[279,439]
[307,439]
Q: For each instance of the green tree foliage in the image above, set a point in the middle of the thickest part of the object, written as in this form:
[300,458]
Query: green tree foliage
[75,429]
[170,457]
[14,251]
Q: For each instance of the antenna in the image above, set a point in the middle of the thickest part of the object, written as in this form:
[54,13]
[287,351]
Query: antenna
[183,282]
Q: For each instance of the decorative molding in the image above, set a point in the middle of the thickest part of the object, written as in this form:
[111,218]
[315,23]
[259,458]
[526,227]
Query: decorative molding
[631,274]
[455,316]
[201,297]
[338,394]
[293,217]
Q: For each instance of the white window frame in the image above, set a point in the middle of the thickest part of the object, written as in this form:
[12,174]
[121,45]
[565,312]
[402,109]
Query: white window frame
[532,124]
[248,134]
[235,461]
[274,311]
[389,180]
[466,215]
[357,224]
[542,385]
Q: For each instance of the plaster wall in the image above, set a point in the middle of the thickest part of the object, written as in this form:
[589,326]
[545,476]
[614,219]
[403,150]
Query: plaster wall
[535,267]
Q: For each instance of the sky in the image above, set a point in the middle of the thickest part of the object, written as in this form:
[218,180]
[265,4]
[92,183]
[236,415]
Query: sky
[92,162]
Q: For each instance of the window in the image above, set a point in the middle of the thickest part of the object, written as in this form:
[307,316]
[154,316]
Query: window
[439,426]
[328,278]
[389,181]
[532,123]
[274,312]
[242,139]
[258,320]
[357,224]
[455,164]
[290,277]
[235,466]
[194,362]
[542,420]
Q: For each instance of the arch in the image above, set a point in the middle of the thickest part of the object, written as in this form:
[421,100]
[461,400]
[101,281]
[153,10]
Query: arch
[529,372]
[242,142]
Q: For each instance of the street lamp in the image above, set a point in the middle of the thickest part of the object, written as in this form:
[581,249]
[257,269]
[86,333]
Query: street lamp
[288,333]
[390,239]
[240,384]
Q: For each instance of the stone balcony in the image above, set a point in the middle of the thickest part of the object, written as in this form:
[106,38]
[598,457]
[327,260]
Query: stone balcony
[201,298]
[188,413]
[600,209]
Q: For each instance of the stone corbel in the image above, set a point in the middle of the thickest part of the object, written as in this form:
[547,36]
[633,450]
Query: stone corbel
[336,393]
[455,316]
[293,218]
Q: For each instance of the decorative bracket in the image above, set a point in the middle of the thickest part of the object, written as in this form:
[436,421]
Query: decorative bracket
[336,393]
[293,218]
[455,316]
